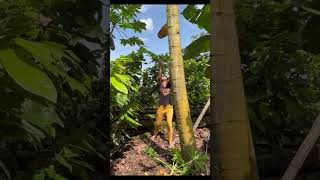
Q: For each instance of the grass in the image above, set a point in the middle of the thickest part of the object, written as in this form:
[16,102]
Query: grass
[178,166]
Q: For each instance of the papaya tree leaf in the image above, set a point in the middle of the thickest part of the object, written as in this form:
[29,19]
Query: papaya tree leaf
[191,13]
[203,21]
[200,17]
[132,41]
[200,45]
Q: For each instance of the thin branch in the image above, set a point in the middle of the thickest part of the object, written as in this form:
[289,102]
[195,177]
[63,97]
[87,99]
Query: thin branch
[121,32]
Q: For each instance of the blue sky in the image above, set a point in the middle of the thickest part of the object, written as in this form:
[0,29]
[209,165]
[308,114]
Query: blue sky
[155,17]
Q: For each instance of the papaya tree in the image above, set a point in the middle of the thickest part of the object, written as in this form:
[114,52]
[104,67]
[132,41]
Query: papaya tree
[233,146]
[177,77]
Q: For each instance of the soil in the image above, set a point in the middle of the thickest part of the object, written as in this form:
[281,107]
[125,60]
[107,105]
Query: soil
[134,161]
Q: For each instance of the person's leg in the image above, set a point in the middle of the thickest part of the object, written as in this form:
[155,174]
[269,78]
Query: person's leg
[157,124]
[169,112]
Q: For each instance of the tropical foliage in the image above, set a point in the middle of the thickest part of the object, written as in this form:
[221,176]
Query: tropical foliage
[281,69]
[49,75]
[280,63]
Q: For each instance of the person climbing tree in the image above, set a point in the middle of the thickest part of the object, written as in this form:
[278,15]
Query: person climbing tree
[165,106]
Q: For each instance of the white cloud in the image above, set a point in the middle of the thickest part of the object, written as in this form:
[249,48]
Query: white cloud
[199,6]
[149,23]
[143,39]
[144,8]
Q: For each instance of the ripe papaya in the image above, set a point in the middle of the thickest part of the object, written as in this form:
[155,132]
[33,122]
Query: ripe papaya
[163,31]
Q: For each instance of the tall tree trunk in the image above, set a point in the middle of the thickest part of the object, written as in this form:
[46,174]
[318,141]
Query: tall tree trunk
[234,156]
[180,98]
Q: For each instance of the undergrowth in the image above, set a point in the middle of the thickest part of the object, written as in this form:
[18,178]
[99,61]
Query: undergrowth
[198,164]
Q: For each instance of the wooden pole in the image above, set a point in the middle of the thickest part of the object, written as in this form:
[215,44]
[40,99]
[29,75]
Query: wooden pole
[203,112]
[303,151]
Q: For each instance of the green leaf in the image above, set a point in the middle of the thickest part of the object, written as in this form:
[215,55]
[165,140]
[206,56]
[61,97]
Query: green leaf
[310,10]
[73,56]
[135,25]
[197,16]
[123,78]
[118,85]
[33,33]
[152,116]
[77,147]
[40,116]
[89,146]
[63,162]
[28,77]
[198,46]
[82,164]
[191,13]
[131,121]
[203,20]
[59,177]
[94,32]
[45,52]
[80,172]
[49,54]
[39,176]
[5,169]
[132,41]
[53,174]
[51,171]
[122,99]
[36,134]
[67,152]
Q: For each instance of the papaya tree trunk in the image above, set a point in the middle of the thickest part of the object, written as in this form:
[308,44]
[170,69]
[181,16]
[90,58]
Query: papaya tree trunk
[179,91]
[233,151]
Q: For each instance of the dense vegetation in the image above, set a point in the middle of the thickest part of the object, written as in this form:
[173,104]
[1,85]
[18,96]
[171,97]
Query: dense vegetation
[50,112]
[281,67]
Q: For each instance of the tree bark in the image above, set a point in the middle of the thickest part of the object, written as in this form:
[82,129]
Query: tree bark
[233,150]
[179,91]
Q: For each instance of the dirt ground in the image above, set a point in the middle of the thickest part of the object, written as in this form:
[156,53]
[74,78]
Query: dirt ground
[133,160]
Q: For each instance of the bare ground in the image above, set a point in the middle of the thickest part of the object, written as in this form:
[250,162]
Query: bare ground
[134,161]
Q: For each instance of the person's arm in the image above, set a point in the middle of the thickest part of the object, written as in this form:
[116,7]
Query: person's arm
[168,89]
[159,72]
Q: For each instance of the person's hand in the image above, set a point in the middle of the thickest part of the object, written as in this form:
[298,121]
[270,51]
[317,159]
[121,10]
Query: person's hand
[165,92]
